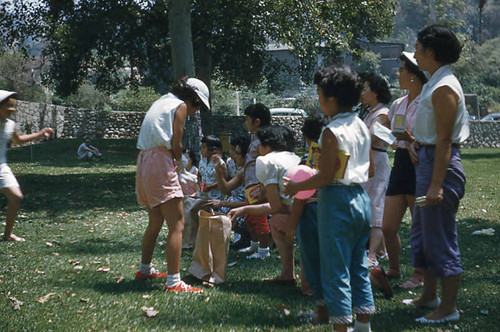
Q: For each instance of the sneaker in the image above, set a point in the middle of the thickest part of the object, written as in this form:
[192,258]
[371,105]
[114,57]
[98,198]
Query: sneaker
[261,255]
[183,287]
[248,250]
[153,275]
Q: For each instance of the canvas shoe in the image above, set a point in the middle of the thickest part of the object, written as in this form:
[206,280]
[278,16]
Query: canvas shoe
[450,318]
[261,255]
[153,275]
[182,287]
[248,250]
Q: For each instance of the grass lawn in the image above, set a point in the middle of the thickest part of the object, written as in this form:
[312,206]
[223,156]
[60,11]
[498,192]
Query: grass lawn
[83,229]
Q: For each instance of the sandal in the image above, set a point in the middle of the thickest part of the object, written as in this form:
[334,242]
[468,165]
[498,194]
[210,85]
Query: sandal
[411,284]
[280,281]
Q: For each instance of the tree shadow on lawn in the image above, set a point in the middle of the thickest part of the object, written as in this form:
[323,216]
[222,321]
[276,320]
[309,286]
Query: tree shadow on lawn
[495,154]
[78,192]
[101,246]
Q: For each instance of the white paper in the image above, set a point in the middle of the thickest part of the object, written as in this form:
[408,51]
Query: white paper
[383,133]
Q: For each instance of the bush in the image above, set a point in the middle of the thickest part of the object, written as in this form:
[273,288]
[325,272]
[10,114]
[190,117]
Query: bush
[134,100]
[87,96]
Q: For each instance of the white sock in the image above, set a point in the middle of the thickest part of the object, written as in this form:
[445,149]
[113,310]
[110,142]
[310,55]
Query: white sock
[361,327]
[254,245]
[145,268]
[263,250]
[173,279]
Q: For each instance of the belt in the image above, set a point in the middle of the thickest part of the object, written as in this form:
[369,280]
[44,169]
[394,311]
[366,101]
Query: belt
[378,149]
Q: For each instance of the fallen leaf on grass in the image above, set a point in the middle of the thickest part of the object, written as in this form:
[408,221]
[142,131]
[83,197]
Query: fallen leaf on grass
[149,311]
[44,298]
[78,267]
[39,272]
[119,279]
[103,269]
[232,264]
[49,244]
[207,299]
[146,296]
[85,300]
[16,304]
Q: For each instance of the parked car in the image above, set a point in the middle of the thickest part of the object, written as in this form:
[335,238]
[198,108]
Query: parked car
[491,117]
[287,111]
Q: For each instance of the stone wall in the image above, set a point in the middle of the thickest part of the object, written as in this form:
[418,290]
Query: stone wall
[77,123]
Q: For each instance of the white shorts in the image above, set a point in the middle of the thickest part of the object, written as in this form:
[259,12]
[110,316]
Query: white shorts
[7,178]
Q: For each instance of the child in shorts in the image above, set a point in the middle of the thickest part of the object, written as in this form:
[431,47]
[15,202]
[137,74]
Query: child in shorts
[8,183]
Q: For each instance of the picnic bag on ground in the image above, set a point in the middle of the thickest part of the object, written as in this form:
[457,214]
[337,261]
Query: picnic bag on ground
[212,245]
[191,208]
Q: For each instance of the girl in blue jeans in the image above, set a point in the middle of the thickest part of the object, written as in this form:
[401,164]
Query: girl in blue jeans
[343,205]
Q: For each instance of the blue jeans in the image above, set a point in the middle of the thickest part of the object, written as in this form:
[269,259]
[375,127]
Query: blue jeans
[343,231]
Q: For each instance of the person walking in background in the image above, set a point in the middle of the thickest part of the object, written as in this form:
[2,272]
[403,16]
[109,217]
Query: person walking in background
[400,193]
[87,151]
[8,183]
[157,183]
[440,126]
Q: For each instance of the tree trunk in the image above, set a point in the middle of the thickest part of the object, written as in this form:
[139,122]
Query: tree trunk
[181,41]
[179,25]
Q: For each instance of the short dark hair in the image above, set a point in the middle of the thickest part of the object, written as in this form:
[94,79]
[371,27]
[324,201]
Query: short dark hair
[312,126]
[341,83]
[442,41]
[278,138]
[184,92]
[411,68]
[243,142]
[259,111]
[381,88]
[213,142]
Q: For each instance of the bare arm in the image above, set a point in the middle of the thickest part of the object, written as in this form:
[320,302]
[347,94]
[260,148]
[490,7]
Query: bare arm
[227,186]
[20,139]
[445,103]
[179,118]
[275,205]
[327,167]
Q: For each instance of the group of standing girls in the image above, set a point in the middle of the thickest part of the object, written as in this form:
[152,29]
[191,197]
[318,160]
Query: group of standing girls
[354,171]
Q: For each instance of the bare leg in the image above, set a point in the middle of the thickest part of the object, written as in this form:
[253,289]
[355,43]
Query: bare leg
[429,292]
[449,291]
[14,197]
[263,239]
[394,210]
[285,248]
[376,242]
[172,211]
[151,234]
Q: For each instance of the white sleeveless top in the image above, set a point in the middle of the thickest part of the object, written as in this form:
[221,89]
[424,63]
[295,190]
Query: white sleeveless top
[157,126]
[353,138]
[7,129]
[424,127]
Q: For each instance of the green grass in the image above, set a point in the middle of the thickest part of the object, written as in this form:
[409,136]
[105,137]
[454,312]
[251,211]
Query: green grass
[80,217]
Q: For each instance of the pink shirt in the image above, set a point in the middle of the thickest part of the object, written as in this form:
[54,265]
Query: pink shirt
[369,121]
[400,106]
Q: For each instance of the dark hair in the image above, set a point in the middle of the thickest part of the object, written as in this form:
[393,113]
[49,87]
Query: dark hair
[339,82]
[411,68]
[381,88]
[442,41]
[243,142]
[259,111]
[193,156]
[186,93]
[312,126]
[213,142]
[278,138]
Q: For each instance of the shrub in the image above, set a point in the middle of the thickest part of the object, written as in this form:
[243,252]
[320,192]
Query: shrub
[134,100]
[87,96]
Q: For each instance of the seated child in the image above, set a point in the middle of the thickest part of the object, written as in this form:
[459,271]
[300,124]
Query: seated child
[190,159]
[87,151]
[343,204]
[276,159]
[211,148]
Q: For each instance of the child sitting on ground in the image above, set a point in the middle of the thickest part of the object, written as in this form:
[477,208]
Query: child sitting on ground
[276,159]
[343,205]
[211,150]
[8,183]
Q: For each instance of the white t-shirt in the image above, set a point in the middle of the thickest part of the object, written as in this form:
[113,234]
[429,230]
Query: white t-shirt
[354,139]
[271,168]
[424,127]
[7,129]
[207,172]
[157,126]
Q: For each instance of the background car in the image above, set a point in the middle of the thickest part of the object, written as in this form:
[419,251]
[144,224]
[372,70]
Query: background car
[491,117]
[287,111]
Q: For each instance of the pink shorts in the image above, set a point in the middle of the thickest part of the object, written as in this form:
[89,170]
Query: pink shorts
[280,222]
[156,180]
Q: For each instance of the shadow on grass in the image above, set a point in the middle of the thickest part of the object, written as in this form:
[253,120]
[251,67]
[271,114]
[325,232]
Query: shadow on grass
[494,154]
[101,246]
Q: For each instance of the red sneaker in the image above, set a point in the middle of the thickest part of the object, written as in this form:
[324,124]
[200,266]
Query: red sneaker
[154,274]
[183,287]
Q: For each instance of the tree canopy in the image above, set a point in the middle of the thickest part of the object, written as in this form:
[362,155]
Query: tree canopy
[127,42]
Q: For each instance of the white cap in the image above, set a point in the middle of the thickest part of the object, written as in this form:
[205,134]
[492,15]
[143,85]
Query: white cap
[201,90]
[6,95]
[410,56]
